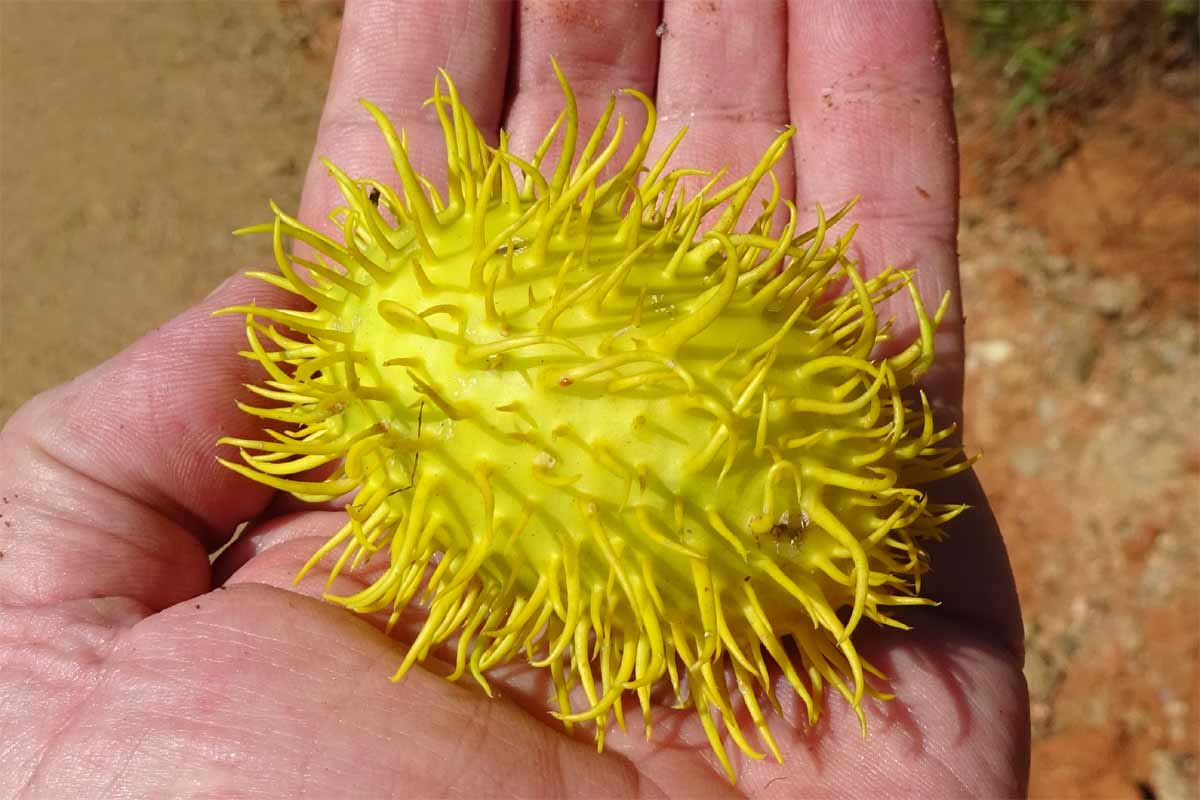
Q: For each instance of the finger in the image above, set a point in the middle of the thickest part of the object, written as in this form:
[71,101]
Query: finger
[872,104]
[869,89]
[723,74]
[600,47]
[389,53]
[110,482]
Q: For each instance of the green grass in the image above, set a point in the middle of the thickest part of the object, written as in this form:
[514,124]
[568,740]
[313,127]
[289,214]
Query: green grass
[1034,40]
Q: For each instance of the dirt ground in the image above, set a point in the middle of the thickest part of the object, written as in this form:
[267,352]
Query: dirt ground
[131,145]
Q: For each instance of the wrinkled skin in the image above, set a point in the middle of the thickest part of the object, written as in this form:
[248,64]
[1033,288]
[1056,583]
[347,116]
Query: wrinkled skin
[130,668]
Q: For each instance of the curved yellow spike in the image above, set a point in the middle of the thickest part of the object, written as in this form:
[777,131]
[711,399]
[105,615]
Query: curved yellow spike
[533,475]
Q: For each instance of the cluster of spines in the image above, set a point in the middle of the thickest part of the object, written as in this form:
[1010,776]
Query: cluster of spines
[393,509]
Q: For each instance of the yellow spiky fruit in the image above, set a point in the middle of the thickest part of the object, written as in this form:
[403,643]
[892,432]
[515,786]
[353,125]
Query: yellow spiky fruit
[586,428]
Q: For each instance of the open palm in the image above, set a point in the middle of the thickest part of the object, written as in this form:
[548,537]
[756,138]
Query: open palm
[130,667]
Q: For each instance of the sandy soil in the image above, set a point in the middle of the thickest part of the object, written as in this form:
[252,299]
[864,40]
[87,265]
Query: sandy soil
[131,145]
[1080,280]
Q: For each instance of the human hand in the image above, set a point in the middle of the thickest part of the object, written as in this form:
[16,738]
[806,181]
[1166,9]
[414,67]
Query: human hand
[124,672]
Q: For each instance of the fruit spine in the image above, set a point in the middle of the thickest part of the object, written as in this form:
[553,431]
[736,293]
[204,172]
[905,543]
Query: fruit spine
[595,429]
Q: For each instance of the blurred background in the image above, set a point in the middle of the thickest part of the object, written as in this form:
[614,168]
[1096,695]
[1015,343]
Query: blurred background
[134,136]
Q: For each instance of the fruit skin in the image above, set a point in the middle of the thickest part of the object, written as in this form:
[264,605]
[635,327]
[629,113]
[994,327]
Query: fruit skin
[588,426]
